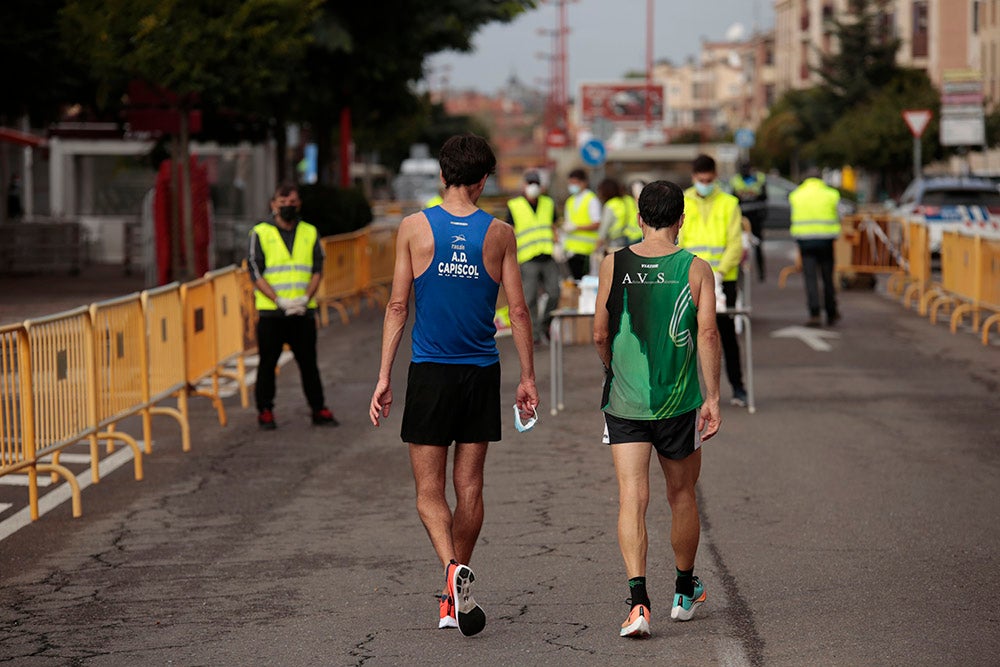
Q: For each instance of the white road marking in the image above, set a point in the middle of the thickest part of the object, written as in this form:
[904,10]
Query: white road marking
[808,335]
[62,493]
[21,479]
[5,506]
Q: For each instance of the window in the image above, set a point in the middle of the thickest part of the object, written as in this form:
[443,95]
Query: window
[920,30]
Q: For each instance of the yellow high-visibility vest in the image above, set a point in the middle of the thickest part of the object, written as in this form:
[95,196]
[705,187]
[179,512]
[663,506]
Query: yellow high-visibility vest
[814,210]
[436,200]
[632,231]
[712,225]
[533,227]
[288,274]
[579,241]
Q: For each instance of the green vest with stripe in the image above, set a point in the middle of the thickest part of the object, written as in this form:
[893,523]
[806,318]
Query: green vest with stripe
[579,241]
[814,211]
[288,274]
[706,226]
[533,227]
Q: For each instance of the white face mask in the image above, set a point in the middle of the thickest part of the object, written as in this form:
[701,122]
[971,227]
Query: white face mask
[574,188]
[532,190]
[521,426]
[704,189]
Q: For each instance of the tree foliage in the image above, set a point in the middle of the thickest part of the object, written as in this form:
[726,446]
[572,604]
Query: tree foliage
[366,57]
[37,77]
[854,116]
[221,51]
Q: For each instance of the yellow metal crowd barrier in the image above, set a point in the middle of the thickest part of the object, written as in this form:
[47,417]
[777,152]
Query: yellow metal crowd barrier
[229,326]
[74,376]
[868,244]
[165,348]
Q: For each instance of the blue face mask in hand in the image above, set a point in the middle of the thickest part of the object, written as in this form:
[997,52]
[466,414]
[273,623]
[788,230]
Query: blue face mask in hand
[519,425]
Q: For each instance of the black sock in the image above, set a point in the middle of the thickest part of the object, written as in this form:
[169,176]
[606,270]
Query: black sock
[685,582]
[637,591]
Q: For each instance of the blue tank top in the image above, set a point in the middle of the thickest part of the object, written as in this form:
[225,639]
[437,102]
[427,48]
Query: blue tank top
[456,298]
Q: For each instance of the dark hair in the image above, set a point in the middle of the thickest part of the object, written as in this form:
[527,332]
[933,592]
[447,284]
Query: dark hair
[661,204]
[609,188]
[703,164]
[284,190]
[465,159]
[579,174]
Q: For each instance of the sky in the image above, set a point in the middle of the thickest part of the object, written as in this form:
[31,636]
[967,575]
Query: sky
[607,38]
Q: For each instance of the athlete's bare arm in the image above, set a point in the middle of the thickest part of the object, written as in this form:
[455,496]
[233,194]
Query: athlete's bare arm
[502,252]
[702,283]
[601,316]
[397,310]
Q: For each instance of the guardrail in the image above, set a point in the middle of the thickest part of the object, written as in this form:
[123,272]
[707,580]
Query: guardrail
[970,267]
[74,376]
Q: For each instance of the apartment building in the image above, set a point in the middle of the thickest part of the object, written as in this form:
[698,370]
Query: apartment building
[935,35]
[730,85]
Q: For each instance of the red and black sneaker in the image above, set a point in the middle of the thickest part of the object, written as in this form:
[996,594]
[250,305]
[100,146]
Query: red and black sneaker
[265,420]
[324,418]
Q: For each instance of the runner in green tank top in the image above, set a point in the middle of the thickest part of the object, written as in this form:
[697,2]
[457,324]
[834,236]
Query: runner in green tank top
[654,321]
[654,374]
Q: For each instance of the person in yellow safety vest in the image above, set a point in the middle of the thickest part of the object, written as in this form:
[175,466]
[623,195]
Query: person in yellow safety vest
[815,227]
[436,200]
[750,187]
[619,218]
[533,216]
[713,231]
[581,224]
[286,265]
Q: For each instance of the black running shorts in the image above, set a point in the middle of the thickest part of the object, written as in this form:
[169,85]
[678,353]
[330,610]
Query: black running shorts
[674,438]
[448,403]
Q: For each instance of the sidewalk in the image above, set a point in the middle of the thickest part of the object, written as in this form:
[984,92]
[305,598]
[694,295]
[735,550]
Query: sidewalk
[24,297]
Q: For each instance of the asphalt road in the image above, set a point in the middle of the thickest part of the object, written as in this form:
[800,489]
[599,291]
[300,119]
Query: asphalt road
[851,521]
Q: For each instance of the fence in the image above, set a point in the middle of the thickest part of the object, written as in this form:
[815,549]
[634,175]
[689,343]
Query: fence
[74,376]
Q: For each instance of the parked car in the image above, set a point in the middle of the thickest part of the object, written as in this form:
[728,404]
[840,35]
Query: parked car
[948,202]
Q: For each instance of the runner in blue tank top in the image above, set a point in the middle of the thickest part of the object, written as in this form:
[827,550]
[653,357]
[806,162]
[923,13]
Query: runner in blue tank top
[455,257]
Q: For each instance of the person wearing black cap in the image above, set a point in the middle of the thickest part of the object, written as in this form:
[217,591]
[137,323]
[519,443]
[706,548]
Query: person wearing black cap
[533,216]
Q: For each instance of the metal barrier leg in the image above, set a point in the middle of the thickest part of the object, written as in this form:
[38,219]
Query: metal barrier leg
[70,478]
[748,347]
[987,323]
[136,451]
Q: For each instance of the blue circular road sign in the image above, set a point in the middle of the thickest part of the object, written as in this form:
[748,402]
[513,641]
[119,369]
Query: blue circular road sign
[745,138]
[593,152]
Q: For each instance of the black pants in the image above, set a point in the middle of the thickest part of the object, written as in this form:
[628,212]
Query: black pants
[817,260]
[299,332]
[579,266]
[727,335]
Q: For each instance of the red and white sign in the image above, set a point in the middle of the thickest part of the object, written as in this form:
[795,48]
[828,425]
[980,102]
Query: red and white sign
[917,120]
[621,102]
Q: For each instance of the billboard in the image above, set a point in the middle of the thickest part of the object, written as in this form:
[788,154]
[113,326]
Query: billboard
[620,102]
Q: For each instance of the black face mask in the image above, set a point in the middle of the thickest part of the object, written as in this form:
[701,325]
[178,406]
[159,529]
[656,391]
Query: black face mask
[289,213]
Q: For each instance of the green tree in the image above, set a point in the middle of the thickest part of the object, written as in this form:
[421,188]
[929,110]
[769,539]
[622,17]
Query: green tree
[37,78]
[364,59]
[865,58]
[212,51]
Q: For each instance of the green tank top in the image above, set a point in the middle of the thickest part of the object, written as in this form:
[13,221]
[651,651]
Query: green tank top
[653,329]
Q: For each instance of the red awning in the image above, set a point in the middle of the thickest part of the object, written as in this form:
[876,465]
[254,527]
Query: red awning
[13,136]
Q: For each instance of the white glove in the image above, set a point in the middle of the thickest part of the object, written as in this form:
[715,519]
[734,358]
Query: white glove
[285,304]
[568,227]
[298,306]
[720,297]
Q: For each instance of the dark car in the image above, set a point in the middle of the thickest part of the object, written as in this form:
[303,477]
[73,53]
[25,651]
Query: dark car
[948,202]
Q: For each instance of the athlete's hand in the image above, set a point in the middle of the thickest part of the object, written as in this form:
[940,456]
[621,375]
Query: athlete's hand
[381,401]
[527,397]
[709,419]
